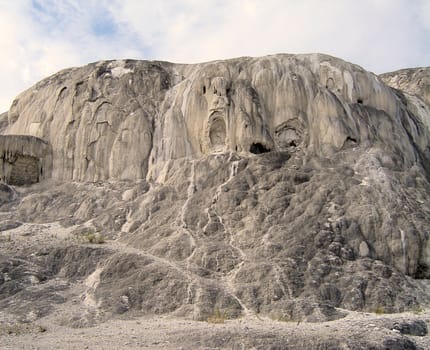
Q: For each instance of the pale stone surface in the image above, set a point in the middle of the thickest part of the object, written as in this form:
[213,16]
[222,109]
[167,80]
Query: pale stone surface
[293,187]
[363,249]
[4,121]
[414,81]
[125,119]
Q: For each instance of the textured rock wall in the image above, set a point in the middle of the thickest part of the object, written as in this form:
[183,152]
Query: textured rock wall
[4,121]
[335,213]
[413,81]
[24,160]
[127,119]
[24,170]
[414,87]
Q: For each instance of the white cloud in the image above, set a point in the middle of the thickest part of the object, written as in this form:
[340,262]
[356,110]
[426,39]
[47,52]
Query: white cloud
[37,42]
[380,35]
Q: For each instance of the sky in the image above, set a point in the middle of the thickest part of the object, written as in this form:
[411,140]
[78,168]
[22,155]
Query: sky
[41,37]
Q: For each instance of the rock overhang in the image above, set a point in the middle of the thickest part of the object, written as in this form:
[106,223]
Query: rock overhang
[24,159]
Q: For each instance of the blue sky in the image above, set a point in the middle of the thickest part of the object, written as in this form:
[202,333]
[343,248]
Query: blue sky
[40,37]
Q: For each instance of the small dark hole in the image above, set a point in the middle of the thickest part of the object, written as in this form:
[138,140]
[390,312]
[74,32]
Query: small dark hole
[258,148]
[422,271]
[102,70]
[228,92]
[293,144]
[301,178]
[204,90]
[360,101]
[350,142]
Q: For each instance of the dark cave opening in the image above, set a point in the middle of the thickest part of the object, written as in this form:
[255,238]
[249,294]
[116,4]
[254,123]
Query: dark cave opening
[351,139]
[349,142]
[360,101]
[422,272]
[258,148]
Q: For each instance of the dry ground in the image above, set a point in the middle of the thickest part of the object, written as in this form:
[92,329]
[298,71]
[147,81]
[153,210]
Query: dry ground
[356,331]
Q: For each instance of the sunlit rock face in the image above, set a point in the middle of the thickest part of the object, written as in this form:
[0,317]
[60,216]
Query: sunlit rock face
[126,119]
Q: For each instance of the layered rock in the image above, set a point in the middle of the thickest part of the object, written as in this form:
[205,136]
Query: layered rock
[125,119]
[414,84]
[288,185]
[24,160]
[413,81]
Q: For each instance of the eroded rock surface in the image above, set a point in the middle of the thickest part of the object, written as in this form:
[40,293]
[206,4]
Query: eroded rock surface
[413,81]
[294,187]
[24,159]
[126,119]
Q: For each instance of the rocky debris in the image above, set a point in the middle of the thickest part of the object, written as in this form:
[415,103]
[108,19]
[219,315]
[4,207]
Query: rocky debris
[414,327]
[259,235]
[162,332]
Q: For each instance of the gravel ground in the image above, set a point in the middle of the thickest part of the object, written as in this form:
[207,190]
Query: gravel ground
[356,331]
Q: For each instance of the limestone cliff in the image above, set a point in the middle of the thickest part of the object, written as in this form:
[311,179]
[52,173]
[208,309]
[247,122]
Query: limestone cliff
[286,185]
[125,119]
[413,81]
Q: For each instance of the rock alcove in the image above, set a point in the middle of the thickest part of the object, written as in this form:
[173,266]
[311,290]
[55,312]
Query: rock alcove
[258,148]
[217,133]
[24,160]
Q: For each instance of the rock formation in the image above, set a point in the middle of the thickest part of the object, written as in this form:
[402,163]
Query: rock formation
[126,119]
[289,185]
[24,160]
[415,87]
[412,82]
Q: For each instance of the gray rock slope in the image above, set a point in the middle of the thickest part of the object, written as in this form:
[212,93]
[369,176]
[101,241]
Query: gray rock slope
[290,185]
